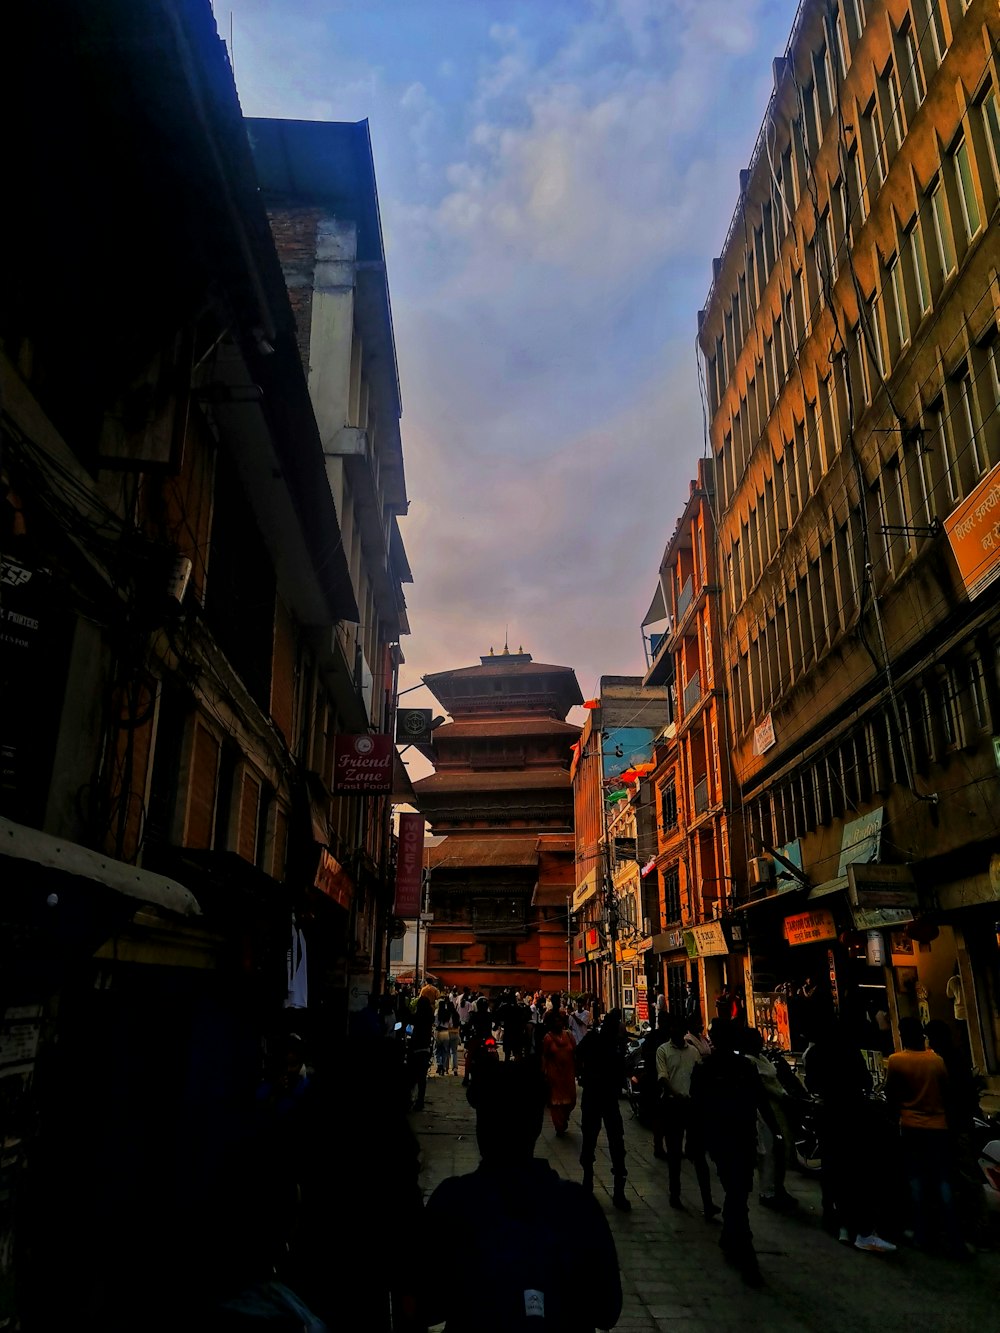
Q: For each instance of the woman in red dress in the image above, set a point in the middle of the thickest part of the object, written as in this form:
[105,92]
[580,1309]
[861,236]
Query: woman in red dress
[559,1070]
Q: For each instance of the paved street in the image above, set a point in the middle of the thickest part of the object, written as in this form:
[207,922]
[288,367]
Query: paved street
[672,1272]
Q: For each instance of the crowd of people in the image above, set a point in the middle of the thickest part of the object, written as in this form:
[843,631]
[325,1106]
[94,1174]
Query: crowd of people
[720,1108]
[897,1162]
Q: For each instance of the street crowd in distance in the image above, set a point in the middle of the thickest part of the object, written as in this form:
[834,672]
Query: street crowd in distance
[726,1116]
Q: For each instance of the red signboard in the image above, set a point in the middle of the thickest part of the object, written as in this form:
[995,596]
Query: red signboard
[409,865]
[333,880]
[363,763]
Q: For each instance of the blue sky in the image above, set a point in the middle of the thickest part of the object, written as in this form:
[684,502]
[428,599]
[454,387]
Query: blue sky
[554,179]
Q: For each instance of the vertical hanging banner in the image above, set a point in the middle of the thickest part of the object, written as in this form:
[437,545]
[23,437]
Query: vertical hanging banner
[409,865]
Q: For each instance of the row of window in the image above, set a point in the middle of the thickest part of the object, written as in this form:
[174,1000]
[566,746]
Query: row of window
[911,278]
[497,954]
[947,709]
[954,444]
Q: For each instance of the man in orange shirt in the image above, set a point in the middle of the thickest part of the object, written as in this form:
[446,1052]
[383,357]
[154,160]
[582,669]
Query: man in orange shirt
[915,1087]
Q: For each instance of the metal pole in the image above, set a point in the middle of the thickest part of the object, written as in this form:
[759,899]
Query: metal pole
[569,940]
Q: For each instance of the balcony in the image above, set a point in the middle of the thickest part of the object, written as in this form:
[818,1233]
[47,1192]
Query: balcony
[684,599]
[701,796]
[692,693]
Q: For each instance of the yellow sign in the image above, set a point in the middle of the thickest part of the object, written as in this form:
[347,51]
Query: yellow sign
[809,927]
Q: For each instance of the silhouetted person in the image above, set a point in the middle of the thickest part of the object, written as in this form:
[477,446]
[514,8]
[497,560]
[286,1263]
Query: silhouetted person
[537,1246]
[600,1061]
[727,1095]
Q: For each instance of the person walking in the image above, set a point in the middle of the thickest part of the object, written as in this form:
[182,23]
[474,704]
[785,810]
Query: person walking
[676,1061]
[727,1095]
[559,1068]
[650,1108]
[600,1062]
[421,1039]
[961,1109]
[445,1023]
[540,1252]
[917,1090]
[853,1151]
[771,1160]
[579,1022]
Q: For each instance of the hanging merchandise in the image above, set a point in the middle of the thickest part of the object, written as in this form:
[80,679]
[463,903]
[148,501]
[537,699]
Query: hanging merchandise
[297,991]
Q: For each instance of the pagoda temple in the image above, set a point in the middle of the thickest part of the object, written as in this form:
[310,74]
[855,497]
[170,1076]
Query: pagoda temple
[500,795]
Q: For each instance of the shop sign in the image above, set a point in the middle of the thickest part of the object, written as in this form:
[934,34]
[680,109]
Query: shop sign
[668,941]
[861,840]
[585,891]
[763,736]
[706,940]
[973,530]
[881,886]
[363,764]
[413,726]
[784,879]
[736,933]
[880,918]
[770,1016]
[579,949]
[809,927]
[333,880]
[409,864]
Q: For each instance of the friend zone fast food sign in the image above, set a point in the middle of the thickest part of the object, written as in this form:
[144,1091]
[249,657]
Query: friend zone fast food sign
[363,764]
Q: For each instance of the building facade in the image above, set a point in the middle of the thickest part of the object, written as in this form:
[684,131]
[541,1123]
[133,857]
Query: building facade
[615,906]
[850,349]
[700,853]
[500,795]
[178,586]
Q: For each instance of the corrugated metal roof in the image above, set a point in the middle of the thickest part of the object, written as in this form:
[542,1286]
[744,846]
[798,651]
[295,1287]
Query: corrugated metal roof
[493,780]
[457,852]
[525,726]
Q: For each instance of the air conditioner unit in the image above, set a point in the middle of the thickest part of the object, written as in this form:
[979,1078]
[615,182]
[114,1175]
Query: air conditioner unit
[760,871]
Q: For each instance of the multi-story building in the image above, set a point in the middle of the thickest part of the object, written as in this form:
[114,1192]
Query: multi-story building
[700,851]
[501,878]
[614,905]
[176,580]
[318,186]
[851,349]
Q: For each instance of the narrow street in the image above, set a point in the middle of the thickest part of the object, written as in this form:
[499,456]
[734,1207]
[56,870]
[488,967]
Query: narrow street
[673,1274]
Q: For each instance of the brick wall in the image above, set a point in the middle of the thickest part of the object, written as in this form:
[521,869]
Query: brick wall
[294,232]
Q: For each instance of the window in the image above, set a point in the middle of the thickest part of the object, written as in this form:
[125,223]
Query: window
[857,210]
[967,190]
[971,437]
[841,41]
[822,73]
[872,143]
[890,110]
[672,893]
[918,260]
[902,322]
[814,128]
[947,258]
[979,713]
[449,953]
[991,120]
[950,722]
[911,76]
[668,805]
[939,441]
[501,953]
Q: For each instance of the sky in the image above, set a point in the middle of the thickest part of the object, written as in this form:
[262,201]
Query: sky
[554,178]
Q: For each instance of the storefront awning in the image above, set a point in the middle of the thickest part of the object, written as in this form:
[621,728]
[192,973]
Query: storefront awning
[829,886]
[22,843]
